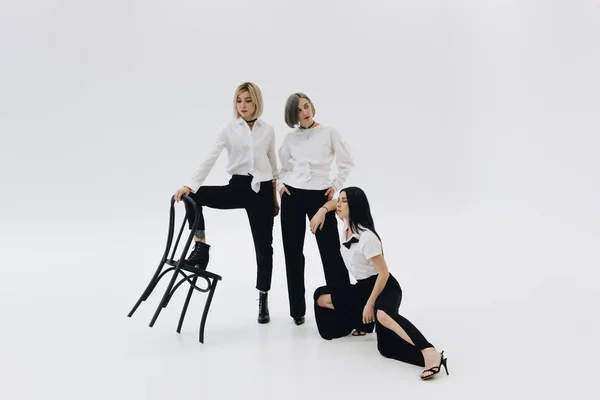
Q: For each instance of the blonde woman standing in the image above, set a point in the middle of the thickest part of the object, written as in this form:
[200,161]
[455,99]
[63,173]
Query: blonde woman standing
[252,163]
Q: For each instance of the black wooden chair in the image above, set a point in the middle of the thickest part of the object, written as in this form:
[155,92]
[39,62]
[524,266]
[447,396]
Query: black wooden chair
[179,269]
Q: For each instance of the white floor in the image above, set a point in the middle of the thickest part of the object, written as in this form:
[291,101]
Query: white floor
[510,301]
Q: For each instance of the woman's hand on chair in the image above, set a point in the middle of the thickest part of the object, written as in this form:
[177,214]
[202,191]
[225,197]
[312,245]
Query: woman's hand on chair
[184,191]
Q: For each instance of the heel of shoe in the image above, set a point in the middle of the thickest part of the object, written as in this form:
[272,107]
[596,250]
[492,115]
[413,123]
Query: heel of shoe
[436,369]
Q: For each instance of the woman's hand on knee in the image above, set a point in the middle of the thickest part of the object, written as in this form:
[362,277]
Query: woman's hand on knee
[184,191]
[368,313]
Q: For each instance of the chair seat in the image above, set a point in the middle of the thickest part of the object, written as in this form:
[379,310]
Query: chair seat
[193,269]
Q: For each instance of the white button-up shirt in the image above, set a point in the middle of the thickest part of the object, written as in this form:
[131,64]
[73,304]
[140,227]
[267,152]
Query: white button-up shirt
[249,151]
[358,257]
[306,156]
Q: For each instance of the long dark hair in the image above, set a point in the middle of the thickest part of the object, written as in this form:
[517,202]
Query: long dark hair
[359,210]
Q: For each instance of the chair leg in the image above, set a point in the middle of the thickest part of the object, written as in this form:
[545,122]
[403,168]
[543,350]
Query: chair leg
[156,277]
[206,307]
[166,296]
[149,289]
[135,307]
[185,305]
[152,286]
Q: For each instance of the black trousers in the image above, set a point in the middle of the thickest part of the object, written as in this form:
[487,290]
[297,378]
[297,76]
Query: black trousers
[260,208]
[295,207]
[349,302]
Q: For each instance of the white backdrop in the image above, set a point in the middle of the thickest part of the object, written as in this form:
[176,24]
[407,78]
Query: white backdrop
[474,126]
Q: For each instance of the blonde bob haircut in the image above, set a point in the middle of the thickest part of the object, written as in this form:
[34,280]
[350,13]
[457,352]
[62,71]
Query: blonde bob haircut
[255,95]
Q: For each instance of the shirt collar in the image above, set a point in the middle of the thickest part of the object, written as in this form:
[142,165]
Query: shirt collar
[302,130]
[241,120]
[354,234]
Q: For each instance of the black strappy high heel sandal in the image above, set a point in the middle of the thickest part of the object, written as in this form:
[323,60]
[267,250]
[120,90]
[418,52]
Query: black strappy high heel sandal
[436,369]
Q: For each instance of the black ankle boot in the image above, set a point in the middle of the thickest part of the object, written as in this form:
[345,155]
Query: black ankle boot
[199,256]
[263,309]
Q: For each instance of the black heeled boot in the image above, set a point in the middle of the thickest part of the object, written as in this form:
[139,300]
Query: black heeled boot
[263,308]
[199,257]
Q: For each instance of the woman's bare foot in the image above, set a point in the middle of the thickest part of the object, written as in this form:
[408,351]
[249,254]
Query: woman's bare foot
[358,333]
[433,359]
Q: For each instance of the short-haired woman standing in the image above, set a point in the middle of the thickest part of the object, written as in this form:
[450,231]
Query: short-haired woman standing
[250,144]
[306,156]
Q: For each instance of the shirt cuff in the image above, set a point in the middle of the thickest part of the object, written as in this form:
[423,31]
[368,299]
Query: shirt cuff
[193,187]
[337,186]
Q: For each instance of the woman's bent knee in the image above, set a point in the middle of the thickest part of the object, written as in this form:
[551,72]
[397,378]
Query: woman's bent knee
[321,291]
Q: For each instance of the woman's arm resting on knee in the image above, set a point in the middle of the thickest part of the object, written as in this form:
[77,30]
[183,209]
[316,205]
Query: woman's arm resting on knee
[318,219]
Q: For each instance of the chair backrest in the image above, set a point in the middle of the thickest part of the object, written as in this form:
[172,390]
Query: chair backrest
[192,204]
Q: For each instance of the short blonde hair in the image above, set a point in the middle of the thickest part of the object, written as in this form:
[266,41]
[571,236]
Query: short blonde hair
[255,95]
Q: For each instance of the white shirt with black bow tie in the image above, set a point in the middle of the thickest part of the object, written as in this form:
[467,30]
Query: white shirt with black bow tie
[358,251]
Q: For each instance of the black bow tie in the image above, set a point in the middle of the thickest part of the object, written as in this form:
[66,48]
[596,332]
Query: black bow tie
[353,239]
